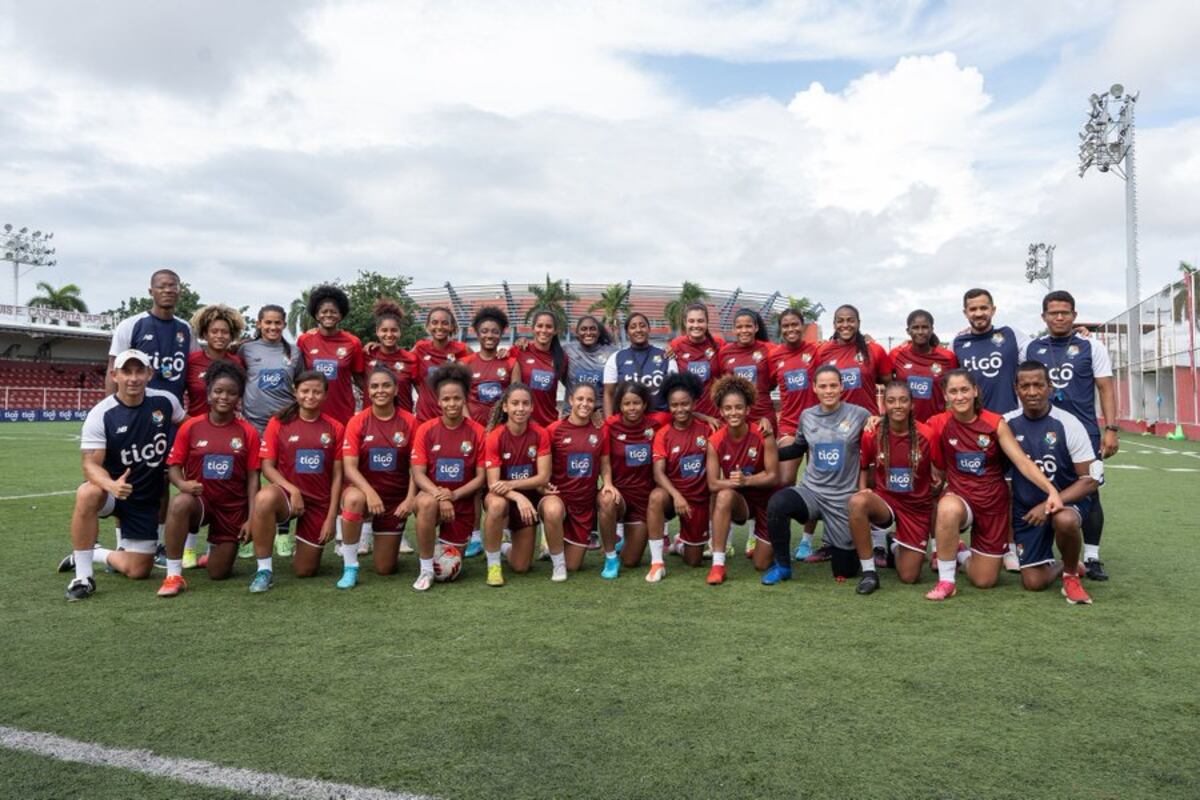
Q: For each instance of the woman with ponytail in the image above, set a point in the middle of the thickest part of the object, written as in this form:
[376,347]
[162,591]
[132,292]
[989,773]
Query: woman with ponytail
[922,363]
[695,352]
[543,365]
[863,364]
[387,352]
[271,364]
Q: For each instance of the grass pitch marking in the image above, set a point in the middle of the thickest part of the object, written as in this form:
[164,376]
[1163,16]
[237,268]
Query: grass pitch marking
[40,494]
[186,770]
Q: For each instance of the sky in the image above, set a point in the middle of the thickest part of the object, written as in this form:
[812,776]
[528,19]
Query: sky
[886,154]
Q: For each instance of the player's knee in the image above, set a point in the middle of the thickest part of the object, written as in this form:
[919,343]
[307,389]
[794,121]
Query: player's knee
[426,504]
[89,497]
[139,570]
[354,501]
[658,496]
[1031,581]
[551,508]
[725,499]
[859,502]
[495,504]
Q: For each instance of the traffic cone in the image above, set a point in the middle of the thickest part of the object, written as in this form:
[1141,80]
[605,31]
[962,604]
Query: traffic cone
[1177,435]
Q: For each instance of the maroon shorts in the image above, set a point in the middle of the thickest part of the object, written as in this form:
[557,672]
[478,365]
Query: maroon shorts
[693,529]
[912,524]
[756,502]
[224,524]
[988,525]
[308,526]
[458,531]
[579,521]
[514,516]
[637,500]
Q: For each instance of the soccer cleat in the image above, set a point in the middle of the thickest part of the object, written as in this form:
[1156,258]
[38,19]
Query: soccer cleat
[942,591]
[881,560]
[612,568]
[559,573]
[160,558]
[263,580]
[776,573]
[405,547]
[658,571]
[751,544]
[474,548]
[423,582]
[620,545]
[1094,568]
[349,578]
[202,561]
[246,550]
[820,554]
[80,589]
[1073,590]
[803,550]
[495,575]
[189,558]
[1011,562]
[716,575]
[868,583]
[172,585]
[365,544]
[67,564]
[285,545]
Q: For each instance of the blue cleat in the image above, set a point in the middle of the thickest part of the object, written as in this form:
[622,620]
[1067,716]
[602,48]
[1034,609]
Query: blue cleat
[612,568]
[803,551]
[349,578]
[262,581]
[620,545]
[775,574]
[474,548]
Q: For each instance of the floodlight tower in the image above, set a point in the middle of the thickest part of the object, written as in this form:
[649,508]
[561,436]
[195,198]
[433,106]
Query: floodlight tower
[22,248]
[1040,265]
[1106,142]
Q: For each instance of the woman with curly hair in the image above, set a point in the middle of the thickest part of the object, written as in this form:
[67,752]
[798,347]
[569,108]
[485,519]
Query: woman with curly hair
[217,328]
[336,354]
[439,349]
[389,325]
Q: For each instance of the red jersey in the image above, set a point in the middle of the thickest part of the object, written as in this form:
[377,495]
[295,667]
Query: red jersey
[383,448]
[896,480]
[747,455]
[629,447]
[428,358]
[859,374]
[403,365]
[304,453]
[970,454]
[684,453]
[794,367]
[220,457]
[925,375]
[752,362]
[576,451]
[339,358]
[451,457]
[489,379]
[537,371]
[198,363]
[516,456]
[698,358]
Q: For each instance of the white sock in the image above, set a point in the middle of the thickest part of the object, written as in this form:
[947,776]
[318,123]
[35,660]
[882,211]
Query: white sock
[878,537]
[1012,548]
[350,554]
[895,546]
[338,536]
[505,548]
[476,536]
[426,565]
[666,530]
[963,556]
[190,542]
[558,560]
[174,567]
[609,554]
[493,557]
[656,551]
[718,557]
[161,530]
[620,530]
[867,564]
[947,570]
[83,564]
[1091,552]
[807,539]
[101,554]
[264,563]
[368,529]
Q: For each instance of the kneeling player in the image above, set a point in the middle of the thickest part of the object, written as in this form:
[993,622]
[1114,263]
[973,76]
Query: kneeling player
[214,465]
[124,441]
[578,450]
[302,459]
[1053,439]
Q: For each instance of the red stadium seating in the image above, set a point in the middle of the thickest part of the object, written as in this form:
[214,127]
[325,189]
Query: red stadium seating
[50,384]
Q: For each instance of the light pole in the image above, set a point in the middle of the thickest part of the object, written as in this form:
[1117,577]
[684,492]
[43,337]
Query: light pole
[1106,143]
[1040,265]
[22,248]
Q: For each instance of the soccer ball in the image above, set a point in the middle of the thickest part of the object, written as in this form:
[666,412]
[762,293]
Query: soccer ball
[447,563]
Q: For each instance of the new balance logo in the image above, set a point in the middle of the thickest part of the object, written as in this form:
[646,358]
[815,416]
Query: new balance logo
[123,429]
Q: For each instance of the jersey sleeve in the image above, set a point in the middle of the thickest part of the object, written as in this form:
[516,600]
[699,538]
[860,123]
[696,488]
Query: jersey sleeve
[350,441]
[339,438]
[178,414]
[123,336]
[951,358]
[480,436]
[179,450]
[268,448]
[936,425]
[420,455]
[659,449]
[491,448]
[1078,441]
[659,419]
[883,361]
[91,437]
[610,369]
[253,459]
[543,445]
[1101,363]
[1023,341]
[358,357]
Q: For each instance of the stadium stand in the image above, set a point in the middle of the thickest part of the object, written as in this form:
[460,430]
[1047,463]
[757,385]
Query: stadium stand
[50,371]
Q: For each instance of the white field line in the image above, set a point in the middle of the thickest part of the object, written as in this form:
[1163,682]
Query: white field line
[35,496]
[187,770]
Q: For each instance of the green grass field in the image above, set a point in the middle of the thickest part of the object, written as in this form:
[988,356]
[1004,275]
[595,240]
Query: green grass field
[608,690]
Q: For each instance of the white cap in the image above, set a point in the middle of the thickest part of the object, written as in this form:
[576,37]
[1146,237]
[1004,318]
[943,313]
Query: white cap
[124,356]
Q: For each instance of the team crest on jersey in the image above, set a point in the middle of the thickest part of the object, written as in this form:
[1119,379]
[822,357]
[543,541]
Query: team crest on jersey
[593,439]
[157,416]
[807,357]
[235,444]
[341,351]
[1072,351]
[451,357]
[859,357]
[844,426]
[709,352]
[649,433]
[997,338]
[758,356]
[532,451]
[466,448]
[984,440]
[657,359]
[1051,438]
[752,452]
[179,338]
[501,372]
[701,441]
[326,438]
[398,438]
[936,369]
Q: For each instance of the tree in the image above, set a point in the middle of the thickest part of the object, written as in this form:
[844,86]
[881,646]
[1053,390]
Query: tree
[64,298]
[553,297]
[676,310]
[613,305]
[1179,302]
[298,320]
[802,304]
[362,293]
[188,303]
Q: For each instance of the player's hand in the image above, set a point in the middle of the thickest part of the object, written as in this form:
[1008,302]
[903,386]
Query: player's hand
[525,509]
[297,501]
[682,508]
[1036,516]
[374,502]
[1110,443]
[872,423]
[244,534]
[765,428]
[598,417]
[327,530]
[612,492]
[550,489]
[406,508]
[1082,331]
[370,347]
[194,488]
[445,510]
[1054,504]
[521,344]
[444,495]
[668,354]
[501,352]
[501,488]
[737,478]
[120,489]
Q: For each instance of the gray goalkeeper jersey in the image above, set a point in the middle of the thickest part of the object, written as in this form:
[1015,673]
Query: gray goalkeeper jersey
[833,448]
[269,374]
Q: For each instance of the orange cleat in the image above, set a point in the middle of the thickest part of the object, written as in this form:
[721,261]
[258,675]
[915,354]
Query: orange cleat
[716,575]
[944,590]
[1073,590]
[172,585]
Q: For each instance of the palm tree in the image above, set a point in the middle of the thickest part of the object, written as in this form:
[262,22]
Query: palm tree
[298,320]
[811,311]
[64,298]
[1179,304]
[613,305]
[552,297]
[675,311]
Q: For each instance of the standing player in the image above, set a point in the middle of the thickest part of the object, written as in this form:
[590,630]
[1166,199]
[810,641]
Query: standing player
[218,326]
[447,453]
[1079,369]
[389,325]
[971,444]
[742,469]
[696,352]
[896,489]
[439,349]
[336,354]
[491,373]
[863,364]
[922,363]
[518,463]
[641,362]
[165,339]
[831,432]
[990,354]
[587,354]
[794,361]
[578,448]
[124,441]
[214,464]
[679,452]
[302,462]
[543,366]
[380,490]
[748,356]
[1058,444]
